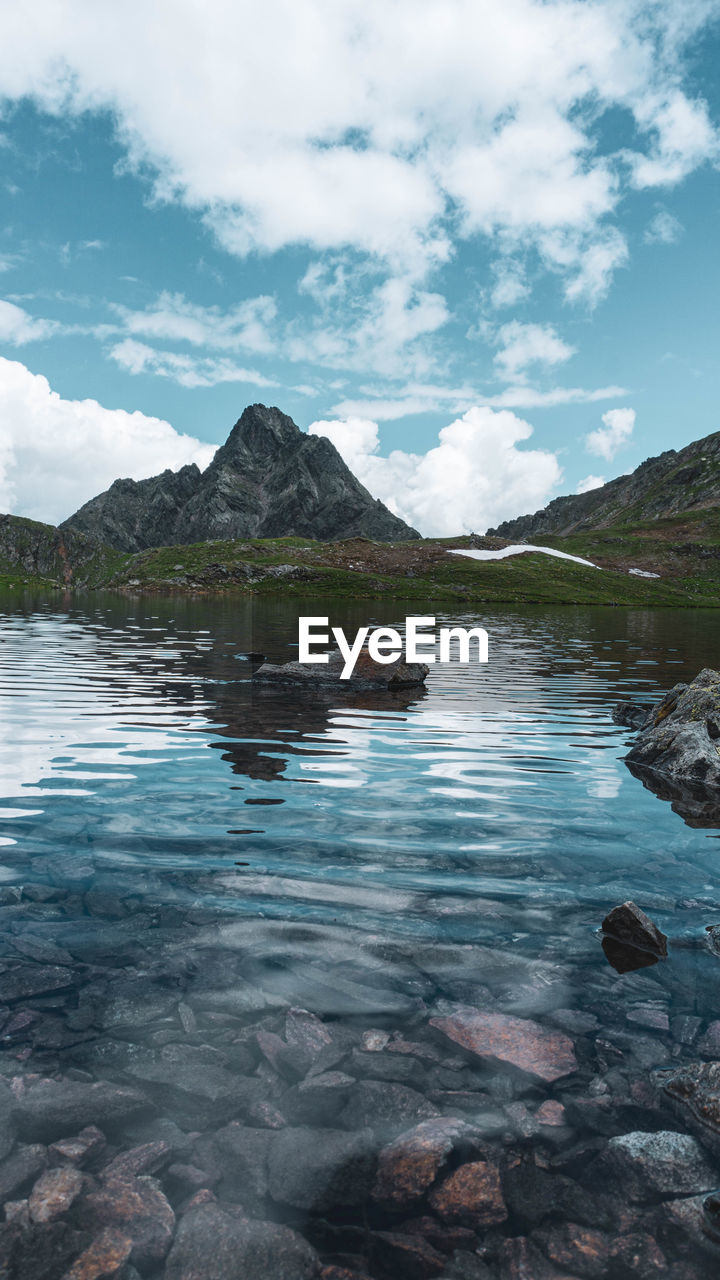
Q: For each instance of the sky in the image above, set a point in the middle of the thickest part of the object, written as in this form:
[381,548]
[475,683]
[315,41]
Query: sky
[474,242]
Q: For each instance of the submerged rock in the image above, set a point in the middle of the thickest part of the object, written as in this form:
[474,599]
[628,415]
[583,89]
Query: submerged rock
[410,1164]
[664,1164]
[681,736]
[541,1051]
[471,1196]
[52,1109]
[367,674]
[694,1092]
[630,926]
[224,1244]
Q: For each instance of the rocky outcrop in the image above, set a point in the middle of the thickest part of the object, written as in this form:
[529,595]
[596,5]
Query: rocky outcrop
[679,738]
[269,480]
[675,481]
[37,550]
[367,674]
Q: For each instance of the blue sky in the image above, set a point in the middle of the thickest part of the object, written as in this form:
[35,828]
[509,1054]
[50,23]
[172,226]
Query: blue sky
[474,243]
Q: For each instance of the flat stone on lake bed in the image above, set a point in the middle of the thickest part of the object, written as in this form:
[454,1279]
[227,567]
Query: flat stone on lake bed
[538,1050]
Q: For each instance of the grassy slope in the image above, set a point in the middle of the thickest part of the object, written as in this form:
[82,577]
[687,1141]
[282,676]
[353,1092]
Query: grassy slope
[412,571]
[684,550]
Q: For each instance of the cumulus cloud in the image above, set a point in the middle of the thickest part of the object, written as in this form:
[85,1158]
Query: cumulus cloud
[489,130]
[56,453]
[18,327]
[523,346]
[475,476]
[590,482]
[607,440]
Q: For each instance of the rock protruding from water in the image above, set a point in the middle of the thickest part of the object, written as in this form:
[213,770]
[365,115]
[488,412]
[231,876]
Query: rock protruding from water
[629,925]
[367,674]
[269,480]
[680,739]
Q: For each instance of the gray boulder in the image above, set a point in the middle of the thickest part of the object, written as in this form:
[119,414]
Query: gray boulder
[681,736]
[367,674]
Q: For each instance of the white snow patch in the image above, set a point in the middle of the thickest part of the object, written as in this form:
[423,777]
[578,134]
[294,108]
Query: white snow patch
[643,573]
[516,550]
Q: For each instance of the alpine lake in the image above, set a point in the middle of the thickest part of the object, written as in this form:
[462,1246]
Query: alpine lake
[305,984]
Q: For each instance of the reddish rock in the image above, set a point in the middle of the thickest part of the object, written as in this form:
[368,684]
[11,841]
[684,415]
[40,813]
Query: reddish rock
[551,1113]
[138,1208]
[472,1195]
[541,1051]
[305,1031]
[577,1250]
[147,1158]
[410,1164]
[638,1255]
[54,1193]
[88,1144]
[104,1259]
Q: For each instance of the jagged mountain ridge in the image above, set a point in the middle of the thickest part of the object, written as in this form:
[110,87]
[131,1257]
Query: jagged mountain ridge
[673,482]
[269,480]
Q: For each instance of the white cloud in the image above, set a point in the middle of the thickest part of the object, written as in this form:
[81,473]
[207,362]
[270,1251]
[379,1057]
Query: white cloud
[664,228]
[18,327]
[171,316]
[474,477]
[187,370]
[682,138]
[525,345]
[607,440]
[392,129]
[510,286]
[387,332]
[427,399]
[56,453]
[589,483]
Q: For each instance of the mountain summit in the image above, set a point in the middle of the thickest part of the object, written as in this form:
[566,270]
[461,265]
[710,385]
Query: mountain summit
[269,480]
[672,483]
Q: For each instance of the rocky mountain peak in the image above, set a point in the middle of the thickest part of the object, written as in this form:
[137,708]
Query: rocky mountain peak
[269,480]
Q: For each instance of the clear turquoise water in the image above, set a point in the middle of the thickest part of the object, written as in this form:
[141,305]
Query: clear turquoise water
[493,806]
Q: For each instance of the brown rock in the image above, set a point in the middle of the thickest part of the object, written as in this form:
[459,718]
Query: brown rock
[147,1158]
[551,1113]
[471,1195]
[54,1193]
[578,1250]
[105,1257]
[85,1147]
[137,1208]
[638,1255]
[410,1164]
[541,1051]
